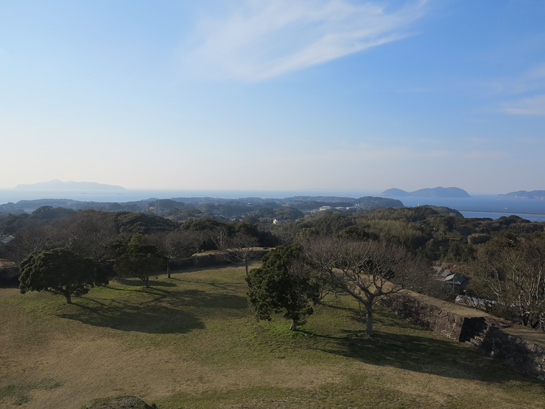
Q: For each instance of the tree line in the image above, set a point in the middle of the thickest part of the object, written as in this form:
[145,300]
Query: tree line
[367,254]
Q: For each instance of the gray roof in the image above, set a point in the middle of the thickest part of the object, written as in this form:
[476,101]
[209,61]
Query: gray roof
[6,239]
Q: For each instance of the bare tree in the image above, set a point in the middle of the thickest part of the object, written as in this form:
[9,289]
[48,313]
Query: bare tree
[511,271]
[219,237]
[364,270]
[30,239]
[90,234]
[175,245]
[241,248]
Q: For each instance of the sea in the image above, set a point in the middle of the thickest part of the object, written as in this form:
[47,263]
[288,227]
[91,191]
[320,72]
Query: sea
[489,206]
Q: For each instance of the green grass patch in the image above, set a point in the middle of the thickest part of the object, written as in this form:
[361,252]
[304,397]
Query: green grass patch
[192,342]
[21,394]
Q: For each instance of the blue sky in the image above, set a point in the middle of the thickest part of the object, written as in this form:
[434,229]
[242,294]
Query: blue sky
[320,95]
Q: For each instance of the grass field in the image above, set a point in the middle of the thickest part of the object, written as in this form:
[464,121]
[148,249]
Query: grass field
[191,342]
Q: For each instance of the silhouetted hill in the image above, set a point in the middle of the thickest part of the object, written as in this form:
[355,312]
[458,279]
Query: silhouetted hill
[218,206]
[523,194]
[57,184]
[371,201]
[446,192]
[395,193]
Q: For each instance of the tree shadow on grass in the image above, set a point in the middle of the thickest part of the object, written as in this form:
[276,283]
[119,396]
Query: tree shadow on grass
[197,269]
[153,317]
[405,348]
[139,283]
[212,283]
[206,300]
[158,311]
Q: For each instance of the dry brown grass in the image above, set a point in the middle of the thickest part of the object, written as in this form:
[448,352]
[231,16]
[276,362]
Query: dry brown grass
[191,342]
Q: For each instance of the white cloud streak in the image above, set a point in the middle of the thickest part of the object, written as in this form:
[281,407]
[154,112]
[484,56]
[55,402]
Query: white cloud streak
[483,155]
[372,154]
[264,39]
[526,106]
[531,80]
[529,87]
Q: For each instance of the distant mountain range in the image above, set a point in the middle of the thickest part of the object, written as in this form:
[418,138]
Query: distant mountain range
[57,184]
[236,207]
[523,194]
[446,192]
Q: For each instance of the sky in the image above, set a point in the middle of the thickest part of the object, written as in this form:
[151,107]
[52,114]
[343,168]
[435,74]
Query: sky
[290,95]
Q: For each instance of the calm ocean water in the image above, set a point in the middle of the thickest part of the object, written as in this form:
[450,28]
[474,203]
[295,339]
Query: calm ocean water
[495,215]
[487,206]
[476,206]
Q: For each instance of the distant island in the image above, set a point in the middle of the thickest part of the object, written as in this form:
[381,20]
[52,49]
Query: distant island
[523,194]
[444,192]
[57,184]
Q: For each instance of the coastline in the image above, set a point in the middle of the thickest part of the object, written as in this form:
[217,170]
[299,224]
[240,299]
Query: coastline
[478,206]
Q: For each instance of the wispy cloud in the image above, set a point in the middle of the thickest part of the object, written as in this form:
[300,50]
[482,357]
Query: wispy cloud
[478,140]
[531,141]
[529,87]
[263,39]
[419,90]
[480,155]
[530,80]
[526,106]
[386,152]
[371,153]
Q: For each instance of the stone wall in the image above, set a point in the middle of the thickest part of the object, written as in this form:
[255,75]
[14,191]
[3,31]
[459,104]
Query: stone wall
[216,258]
[213,258]
[424,313]
[509,343]
[519,347]
[9,273]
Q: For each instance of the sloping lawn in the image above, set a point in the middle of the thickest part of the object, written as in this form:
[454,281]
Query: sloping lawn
[192,342]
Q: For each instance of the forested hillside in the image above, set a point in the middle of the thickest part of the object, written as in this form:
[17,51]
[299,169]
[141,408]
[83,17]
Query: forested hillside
[441,236]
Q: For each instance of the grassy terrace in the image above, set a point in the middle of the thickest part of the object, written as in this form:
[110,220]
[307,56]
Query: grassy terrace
[192,342]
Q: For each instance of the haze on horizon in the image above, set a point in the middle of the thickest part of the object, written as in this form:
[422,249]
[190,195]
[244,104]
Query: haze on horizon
[313,95]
